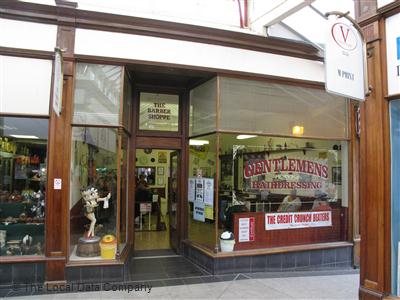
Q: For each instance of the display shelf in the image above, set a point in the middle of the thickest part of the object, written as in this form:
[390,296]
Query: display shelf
[6,154]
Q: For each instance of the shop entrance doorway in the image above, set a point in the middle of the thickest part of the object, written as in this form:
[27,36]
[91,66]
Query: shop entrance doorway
[156,200]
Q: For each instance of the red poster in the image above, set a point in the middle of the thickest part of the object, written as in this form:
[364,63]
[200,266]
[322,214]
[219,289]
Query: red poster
[252,229]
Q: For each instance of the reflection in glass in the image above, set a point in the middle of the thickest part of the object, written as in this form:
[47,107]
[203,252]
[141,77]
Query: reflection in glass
[278,109]
[97,94]
[203,115]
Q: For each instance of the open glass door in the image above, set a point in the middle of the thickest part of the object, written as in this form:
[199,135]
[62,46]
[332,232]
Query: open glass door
[173,199]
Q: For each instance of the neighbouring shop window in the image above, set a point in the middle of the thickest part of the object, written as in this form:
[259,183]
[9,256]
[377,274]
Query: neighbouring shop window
[203,105]
[159,112]
[264,107]
[94,168]
[23,168]
[97,94]
[201,187]
[296,186]
[25,85]
[395,194]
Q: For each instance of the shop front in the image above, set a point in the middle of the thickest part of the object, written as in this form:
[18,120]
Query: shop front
[238,168]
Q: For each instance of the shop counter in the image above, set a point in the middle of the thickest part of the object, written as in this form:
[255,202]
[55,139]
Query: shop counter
[288,229]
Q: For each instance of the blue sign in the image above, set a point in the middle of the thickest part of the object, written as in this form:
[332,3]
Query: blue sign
[398,47]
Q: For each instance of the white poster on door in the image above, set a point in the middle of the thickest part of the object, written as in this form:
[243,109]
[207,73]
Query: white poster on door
[209,191]
[199,211]
[199,190]
[191,189]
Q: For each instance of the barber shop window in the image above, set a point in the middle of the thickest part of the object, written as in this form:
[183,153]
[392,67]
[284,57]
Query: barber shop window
[282,178]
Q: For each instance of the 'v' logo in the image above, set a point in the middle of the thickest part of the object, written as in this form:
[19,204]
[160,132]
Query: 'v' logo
[345,35]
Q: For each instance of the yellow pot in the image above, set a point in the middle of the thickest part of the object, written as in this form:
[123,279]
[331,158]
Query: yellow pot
[108,246]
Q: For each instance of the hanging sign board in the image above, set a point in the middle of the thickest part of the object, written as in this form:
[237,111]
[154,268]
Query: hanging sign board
[58,81]
[393,53]
[344,60]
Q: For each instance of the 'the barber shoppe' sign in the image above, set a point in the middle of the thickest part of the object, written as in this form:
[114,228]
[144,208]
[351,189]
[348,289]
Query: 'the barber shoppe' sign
[286,173]
[159,111]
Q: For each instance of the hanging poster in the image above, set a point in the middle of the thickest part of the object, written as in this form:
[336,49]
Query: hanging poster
[191,189]
[199,190]
[198,211]
[209,212]
[209,191]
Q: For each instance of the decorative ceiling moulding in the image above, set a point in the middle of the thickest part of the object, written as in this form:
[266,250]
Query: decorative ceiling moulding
[66,15]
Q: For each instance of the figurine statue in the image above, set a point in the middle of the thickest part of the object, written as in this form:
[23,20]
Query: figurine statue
[91,198]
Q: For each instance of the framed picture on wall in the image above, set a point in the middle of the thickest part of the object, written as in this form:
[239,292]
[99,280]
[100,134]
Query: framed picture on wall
[160,171]
[160,180]
[337,175]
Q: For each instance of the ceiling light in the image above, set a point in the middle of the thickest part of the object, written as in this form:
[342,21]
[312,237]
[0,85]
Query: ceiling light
[245,136]
[21,136]
[198,142]
[297,130]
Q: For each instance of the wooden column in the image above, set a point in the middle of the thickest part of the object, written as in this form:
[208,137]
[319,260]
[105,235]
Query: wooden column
[59,148]
[375,173]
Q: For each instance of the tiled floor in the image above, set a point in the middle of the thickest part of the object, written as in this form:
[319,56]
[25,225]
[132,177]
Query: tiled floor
[310,285]
[202,233]
[163,268]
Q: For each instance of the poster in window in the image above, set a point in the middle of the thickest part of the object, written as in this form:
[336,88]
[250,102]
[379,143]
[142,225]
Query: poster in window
[199,211]
[160,171]
[208,191]
[199,190]
[191,189]
[337,175]
[162,157]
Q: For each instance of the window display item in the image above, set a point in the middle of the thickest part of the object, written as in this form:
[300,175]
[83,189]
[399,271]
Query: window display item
[88,245]
[108,246]
[3,235]
[90,197]
[227,241]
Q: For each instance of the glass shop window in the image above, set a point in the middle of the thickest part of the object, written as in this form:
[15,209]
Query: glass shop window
[159,112]
[99,158]
[93,207]
[297,188]
[97,94]
[23,168]
[201,190]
